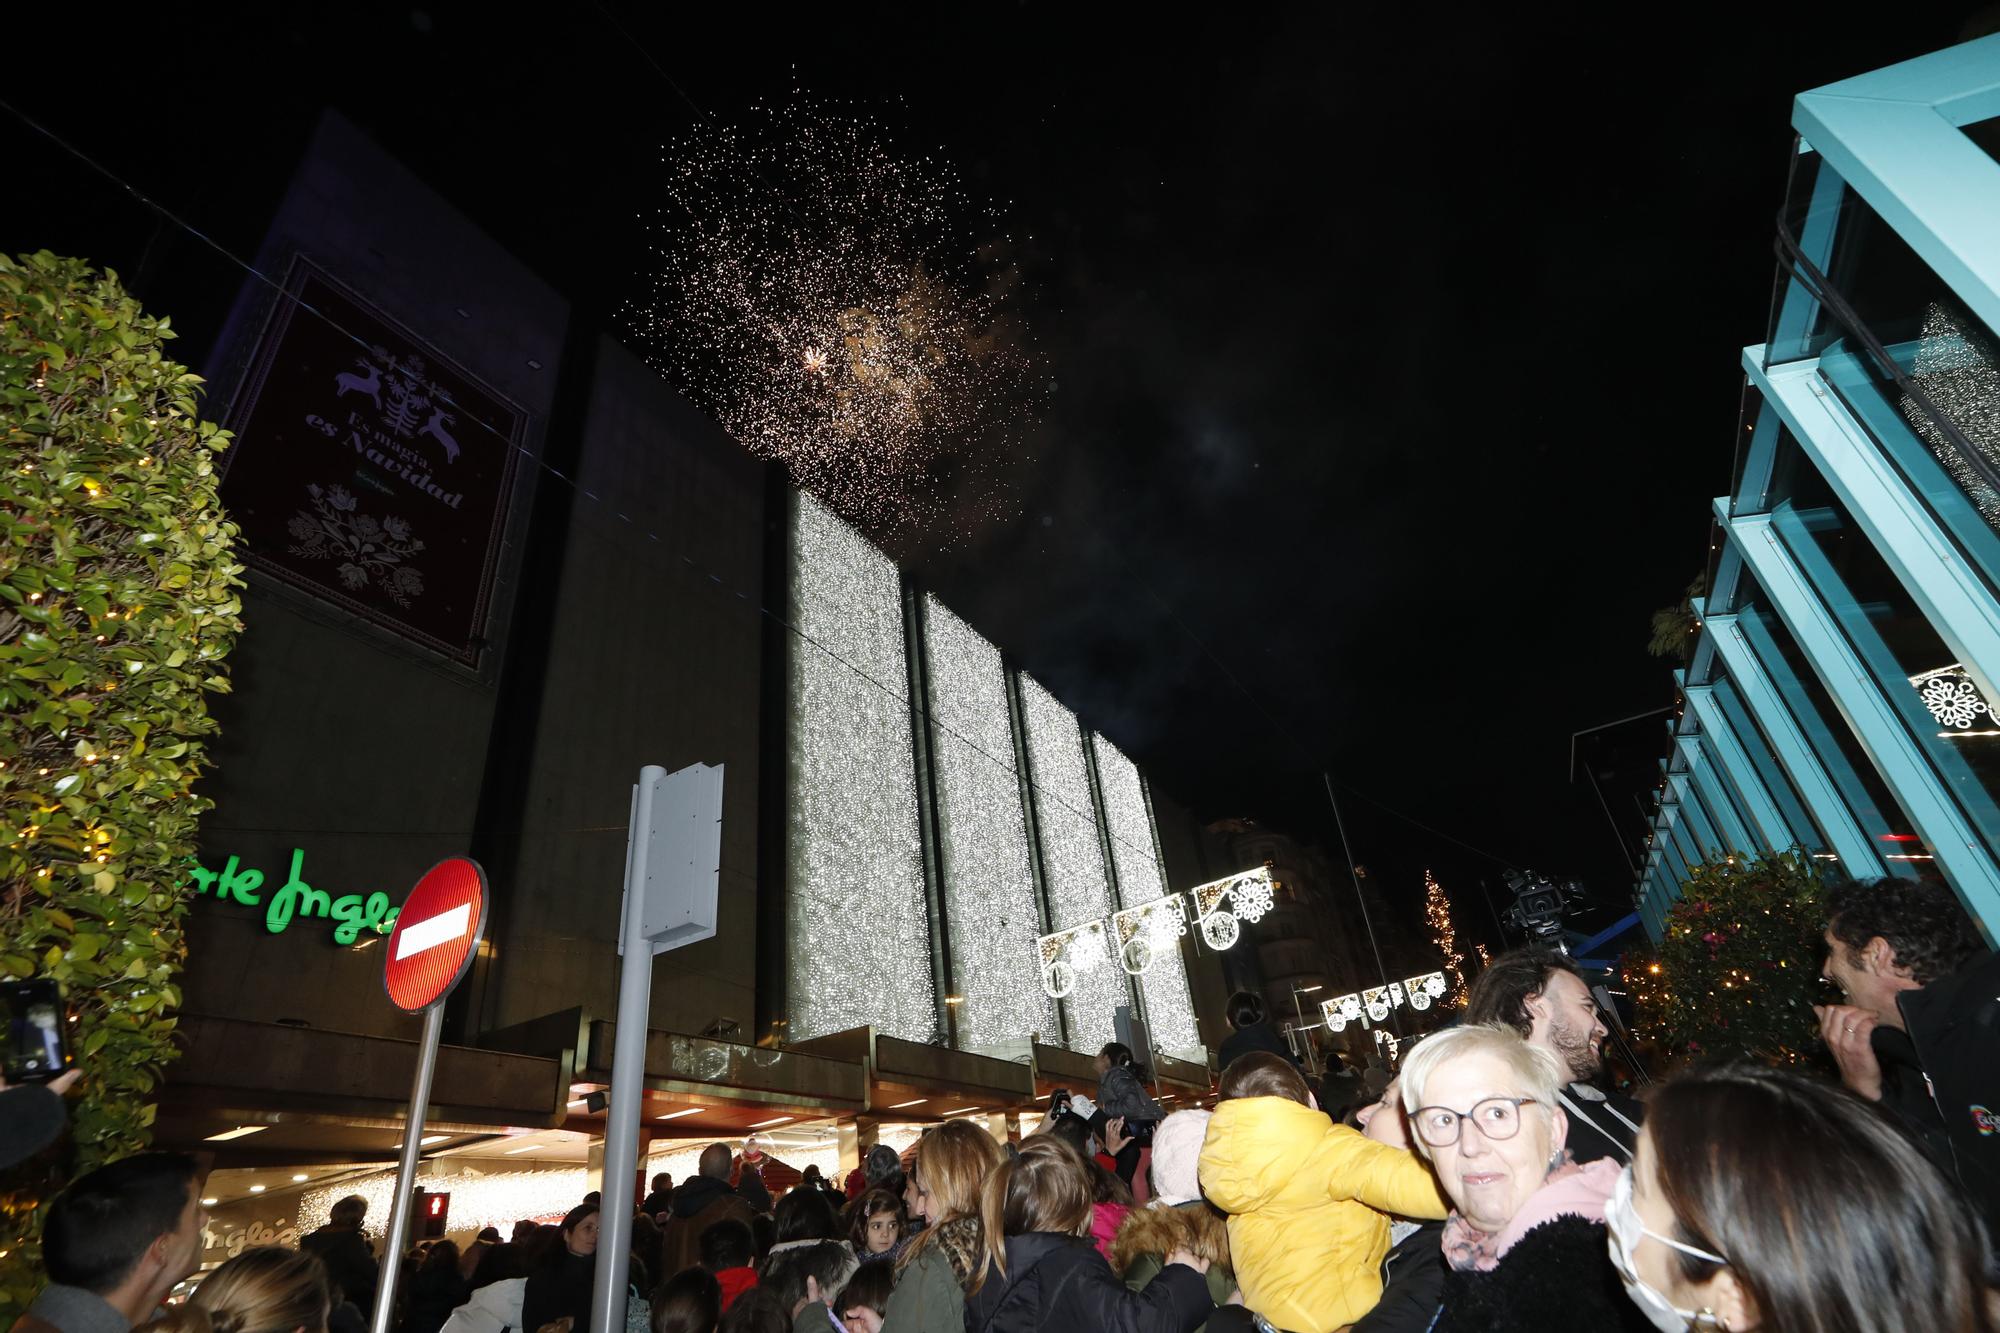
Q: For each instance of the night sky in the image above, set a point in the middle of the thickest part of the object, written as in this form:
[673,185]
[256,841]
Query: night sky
[1395,365]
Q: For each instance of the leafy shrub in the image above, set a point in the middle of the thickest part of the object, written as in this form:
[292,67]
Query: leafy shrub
[118,604]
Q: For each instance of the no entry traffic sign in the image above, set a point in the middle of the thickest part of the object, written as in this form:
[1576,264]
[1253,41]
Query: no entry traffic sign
[436,934]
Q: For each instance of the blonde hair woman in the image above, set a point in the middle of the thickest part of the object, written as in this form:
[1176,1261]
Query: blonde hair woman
[936,1268]
[265,1290]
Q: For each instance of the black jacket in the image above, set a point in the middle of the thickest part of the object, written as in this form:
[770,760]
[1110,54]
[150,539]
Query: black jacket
[1953,1037]
[434,1294]
[1062,1284]
[1556,1279]
[1594,1131]
[1256,1037]
[349,1262]
[1412,1284]
[558,1289]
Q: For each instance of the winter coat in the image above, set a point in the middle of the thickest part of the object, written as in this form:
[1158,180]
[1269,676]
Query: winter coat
[1557,1278]
[558,1289]
[656,1203]
[1256,1037]
[1105,1219]
[434,1294]
[1120,1093]
[1952,1030]
[349,1261]
[1061,1284]
[1596,1130]
[699,1203]
[1306,1199]
[492,1308]
[1412,1284]
[929,1295]
[1150,1234]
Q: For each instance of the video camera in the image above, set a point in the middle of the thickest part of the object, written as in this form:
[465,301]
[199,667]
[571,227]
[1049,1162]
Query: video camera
[1540,903]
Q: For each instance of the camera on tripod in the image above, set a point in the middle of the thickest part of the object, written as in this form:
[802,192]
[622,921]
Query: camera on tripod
[1540,903]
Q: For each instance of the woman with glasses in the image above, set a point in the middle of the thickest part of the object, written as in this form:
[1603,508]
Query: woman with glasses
[1525,1243]
[1759,1198]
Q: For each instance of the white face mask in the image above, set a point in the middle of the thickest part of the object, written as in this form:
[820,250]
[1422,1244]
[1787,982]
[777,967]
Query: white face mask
[1626,1231]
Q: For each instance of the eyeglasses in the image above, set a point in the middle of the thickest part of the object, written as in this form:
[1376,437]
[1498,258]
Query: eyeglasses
[1498,1118]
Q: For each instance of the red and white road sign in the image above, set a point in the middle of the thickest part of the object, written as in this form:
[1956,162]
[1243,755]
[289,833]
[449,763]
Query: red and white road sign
[436,935]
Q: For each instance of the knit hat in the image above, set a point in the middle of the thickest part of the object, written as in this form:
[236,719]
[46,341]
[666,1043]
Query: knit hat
[1177,1156]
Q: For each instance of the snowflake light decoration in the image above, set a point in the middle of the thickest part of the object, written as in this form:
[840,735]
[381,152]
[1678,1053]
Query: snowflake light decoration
[1951,696]
[1340,1011]
[1148,932]
[1247,896]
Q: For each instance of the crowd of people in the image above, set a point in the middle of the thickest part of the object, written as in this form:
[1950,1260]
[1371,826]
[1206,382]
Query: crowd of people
[1490,1184]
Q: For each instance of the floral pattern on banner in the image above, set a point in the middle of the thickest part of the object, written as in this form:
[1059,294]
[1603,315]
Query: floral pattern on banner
[367,547]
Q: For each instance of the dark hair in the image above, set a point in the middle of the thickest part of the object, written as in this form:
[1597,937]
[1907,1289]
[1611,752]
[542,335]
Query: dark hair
[1046,1186]
[1921,920]
[1822,1209]
[882,1166]
[829,1263]
[1117,1052]
[491,1235]
[1246,1008]
[575,1216]
[1502,992]
[1263,1074]
[871,1204]
[726,1244]
[756,1311]
[666,1176]
[868,1289]
[764,1232]
[348,1212]
[442,1255]
[688,1302]
[99,1228]
[807,1214]
[593,1199]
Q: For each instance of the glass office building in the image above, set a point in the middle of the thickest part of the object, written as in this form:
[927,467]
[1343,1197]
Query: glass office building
[1841,698]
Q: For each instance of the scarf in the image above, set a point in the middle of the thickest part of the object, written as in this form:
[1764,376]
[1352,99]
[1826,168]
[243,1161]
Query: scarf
[1568,1190]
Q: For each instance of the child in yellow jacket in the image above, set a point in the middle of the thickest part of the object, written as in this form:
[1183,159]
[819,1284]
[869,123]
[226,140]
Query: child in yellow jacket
[1306,1198]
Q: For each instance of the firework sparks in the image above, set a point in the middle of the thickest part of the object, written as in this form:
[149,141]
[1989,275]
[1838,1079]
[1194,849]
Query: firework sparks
[838,306]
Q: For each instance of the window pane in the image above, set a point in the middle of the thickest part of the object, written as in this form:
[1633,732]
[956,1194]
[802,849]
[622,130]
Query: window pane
[1916,671]
[1838,749]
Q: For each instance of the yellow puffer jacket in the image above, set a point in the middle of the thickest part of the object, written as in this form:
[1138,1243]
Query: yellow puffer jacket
[1306,1199]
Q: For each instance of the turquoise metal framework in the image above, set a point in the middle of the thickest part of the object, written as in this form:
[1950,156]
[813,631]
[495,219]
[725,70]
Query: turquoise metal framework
[1763,758]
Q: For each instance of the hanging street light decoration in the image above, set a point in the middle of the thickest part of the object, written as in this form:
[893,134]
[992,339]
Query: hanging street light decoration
[1248,896]
[1373,1005]
[1140,934]
[1144,932]
[1065,953]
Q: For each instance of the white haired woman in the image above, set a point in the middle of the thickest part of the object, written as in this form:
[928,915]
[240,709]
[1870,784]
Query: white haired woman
[1525,1243]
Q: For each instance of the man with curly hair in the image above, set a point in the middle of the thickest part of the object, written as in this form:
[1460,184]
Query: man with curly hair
[1919,1032]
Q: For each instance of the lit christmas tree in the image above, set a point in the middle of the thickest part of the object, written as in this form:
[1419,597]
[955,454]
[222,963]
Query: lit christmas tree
[1437,910]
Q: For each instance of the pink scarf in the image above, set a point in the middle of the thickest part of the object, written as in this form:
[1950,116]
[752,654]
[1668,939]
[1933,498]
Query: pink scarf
[1581,1191]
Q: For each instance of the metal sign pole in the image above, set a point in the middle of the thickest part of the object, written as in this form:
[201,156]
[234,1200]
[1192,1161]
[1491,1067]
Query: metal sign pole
[406,1171]
[628,1075]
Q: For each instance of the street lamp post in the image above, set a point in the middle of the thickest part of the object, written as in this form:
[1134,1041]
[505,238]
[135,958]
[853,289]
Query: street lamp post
[1298,1011]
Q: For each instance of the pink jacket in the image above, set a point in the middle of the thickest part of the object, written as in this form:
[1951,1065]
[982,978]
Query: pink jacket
[1104,1220]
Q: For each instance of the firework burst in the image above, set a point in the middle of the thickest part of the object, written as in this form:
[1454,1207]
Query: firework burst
[843,308]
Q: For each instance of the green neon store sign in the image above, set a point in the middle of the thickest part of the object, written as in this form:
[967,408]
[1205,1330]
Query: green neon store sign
[296,900]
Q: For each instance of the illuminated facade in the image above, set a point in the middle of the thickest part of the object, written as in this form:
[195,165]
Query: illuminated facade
[943,814]
[1839,697]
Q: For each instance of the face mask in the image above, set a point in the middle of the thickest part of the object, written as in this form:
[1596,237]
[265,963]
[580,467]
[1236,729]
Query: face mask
[1626,1231]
